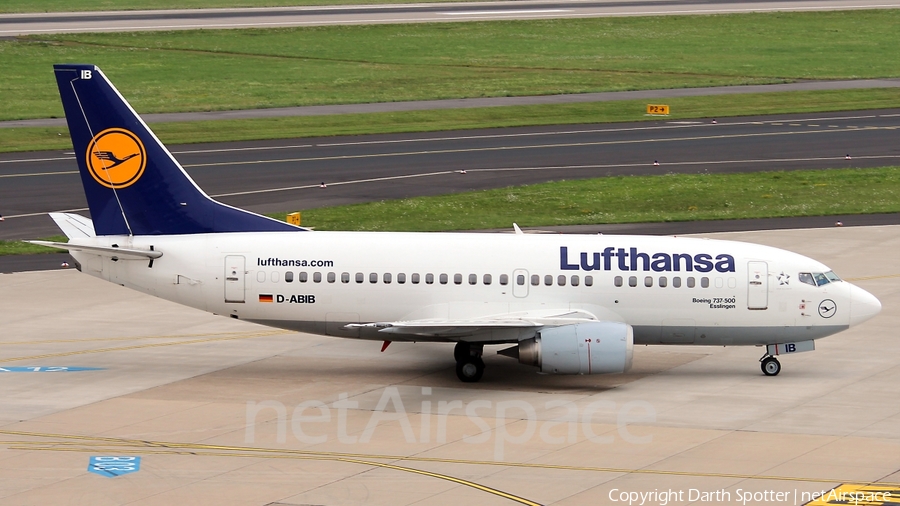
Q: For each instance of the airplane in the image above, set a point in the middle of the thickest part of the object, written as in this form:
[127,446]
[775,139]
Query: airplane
[566,304]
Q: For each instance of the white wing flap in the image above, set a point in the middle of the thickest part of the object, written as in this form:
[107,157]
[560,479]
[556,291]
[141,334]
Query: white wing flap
[448,327]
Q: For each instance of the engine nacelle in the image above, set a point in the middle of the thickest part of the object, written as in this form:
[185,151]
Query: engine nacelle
[582,348]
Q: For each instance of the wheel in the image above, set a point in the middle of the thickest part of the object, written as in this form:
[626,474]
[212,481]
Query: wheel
[770,366]
[462,351]
[470,369]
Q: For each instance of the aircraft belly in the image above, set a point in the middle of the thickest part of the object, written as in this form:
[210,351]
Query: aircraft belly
[732,336]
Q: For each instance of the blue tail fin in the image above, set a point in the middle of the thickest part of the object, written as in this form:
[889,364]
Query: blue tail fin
[134,186]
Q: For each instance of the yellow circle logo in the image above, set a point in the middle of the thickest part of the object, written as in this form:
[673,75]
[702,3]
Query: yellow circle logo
[116,158]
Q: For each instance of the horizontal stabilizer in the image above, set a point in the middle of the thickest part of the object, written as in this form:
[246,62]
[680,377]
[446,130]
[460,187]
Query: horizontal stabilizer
[73,225]
[123,253]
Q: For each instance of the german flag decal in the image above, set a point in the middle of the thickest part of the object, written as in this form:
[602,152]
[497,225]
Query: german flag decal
[266,297]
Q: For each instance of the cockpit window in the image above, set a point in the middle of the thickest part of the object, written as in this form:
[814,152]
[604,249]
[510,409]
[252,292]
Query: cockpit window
[807,278]
[832,276]
[821,279]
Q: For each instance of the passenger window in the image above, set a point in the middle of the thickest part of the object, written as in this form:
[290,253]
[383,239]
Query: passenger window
[276,276]
[504,279]
[302,277]
[429,279]
[486,279]
[548,280]
[676,281]
[401,278]
[663,282]
[317,277]
[345,277]
[415,278]
[574,280]
[690,282]
[373,277]
[648,281]
[473,279]
[704,282]
[535,280]
[261,276]
[360,277]
[387,278]
[632,281]
[457,279]
[331,277]
[288,277]
[444,278]
[732,283]
[720,282]
[589,281]
[561,280]
[618,280]
[520,279]
[807,278]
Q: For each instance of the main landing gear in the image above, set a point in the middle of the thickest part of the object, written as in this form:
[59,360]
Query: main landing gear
[770,365]
[469,366]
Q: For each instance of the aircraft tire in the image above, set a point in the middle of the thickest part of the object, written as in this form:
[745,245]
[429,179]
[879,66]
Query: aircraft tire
[770,366]
[470,370]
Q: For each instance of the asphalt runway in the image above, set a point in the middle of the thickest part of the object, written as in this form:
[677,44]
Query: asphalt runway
[223,412]
[285,175]
[24,24]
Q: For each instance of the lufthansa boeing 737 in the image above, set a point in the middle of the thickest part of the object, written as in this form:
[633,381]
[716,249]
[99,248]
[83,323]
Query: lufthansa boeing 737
[567,304]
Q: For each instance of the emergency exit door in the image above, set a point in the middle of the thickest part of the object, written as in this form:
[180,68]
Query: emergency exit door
[234,278]
[757,285]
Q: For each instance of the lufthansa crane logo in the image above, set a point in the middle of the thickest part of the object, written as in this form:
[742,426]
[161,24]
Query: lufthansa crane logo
[116,158]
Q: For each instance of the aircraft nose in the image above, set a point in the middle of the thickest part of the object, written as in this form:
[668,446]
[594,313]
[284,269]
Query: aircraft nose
[863,305]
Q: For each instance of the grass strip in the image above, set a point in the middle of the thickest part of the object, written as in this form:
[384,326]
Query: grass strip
[36,139]
[622,199]
[629,199]
[26,248]
[239,69]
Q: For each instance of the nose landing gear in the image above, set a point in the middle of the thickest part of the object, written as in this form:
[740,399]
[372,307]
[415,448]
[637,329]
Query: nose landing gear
[469,366]
[770,365]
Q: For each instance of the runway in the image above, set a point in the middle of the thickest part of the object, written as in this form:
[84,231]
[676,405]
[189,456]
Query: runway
[224,412]
[285,175]
[26,24]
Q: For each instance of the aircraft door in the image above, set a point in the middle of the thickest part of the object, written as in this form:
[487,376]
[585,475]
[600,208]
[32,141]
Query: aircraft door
[520,283]
[235,275]
[757,285]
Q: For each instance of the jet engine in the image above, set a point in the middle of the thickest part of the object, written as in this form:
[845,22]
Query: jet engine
[582,348]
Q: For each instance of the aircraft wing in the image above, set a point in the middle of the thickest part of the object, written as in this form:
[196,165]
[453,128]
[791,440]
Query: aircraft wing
[437,327]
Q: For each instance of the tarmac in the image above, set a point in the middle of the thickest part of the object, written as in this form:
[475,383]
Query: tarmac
[225,412]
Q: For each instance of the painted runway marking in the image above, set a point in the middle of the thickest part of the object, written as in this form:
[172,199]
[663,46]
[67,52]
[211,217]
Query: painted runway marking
[139,346]
[71,442]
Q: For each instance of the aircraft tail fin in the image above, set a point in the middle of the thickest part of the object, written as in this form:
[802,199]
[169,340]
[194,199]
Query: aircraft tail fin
[133,184]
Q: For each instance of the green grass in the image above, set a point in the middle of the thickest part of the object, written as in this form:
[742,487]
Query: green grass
[24,248]
[629,199]
[237,69]
[127,5]
[32,139]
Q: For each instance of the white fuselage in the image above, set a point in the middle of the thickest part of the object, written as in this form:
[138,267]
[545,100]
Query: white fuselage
[671,290]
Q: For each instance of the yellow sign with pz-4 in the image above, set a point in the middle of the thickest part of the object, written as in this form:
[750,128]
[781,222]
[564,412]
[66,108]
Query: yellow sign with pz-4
[294,219]
[657,110]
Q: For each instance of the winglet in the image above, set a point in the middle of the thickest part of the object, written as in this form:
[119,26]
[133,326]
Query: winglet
[517,230]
